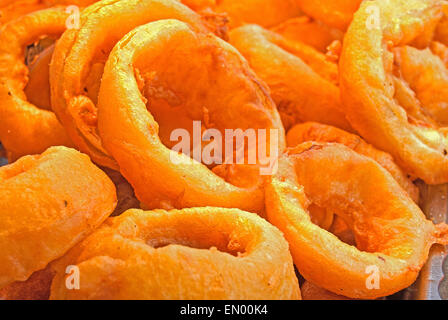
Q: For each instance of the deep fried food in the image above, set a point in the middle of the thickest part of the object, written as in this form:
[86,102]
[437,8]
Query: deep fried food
[13,9]
[322,133]
[10,10]
[301,79]
[334,13]
[24,128]
[393,236]
[80,55]
[379,105]
[225,95]
[266,13]
[37,89]
[125,193]
[311,32]
[441,32]
[199,253]
[49,203]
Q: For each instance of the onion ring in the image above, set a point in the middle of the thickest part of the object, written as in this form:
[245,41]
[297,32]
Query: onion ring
[24,128]
[49,203]
[427,76]
[75,72]
[37,89]
[322,133]
[368,88]
[36,287]
[199,253]
[136,145]
[392,233]
[334,13]
[302,91]
[267,13]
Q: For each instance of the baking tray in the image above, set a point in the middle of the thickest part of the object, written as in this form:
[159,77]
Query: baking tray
[432,283]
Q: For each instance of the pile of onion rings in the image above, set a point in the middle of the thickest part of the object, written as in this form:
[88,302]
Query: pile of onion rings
[252,149]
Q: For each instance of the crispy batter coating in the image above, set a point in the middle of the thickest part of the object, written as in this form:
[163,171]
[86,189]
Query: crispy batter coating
[266,13]
[24,128]
[303,82]
[427,75]
[379,105]
[36,287]
[392,234]
[334,13]
[37,89]
[312,292]
[199,253]
[49,203]
[80,55]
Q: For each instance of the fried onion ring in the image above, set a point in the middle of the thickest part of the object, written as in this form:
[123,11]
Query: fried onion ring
[24,128]
[392,234]
[266,13]
[312,292]
[310,32]
[427,76]
[199,253]
[369,90]
[322,133]
[49,203]
[302,81]
[80,55]
[226,94]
